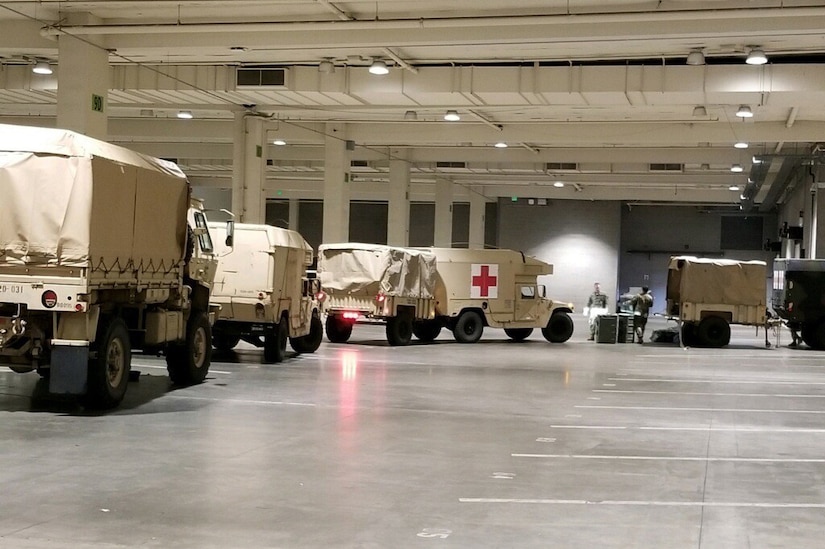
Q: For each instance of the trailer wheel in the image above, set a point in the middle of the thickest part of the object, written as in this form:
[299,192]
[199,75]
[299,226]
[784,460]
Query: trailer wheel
[275,342]
[559,328]
[518,334]
[108,375]
[426,330]
[399,330]
[713,331]
[813,334]
[188,363]
[310,342]
[688,334]
[468,327]
[338,330]
[225,342]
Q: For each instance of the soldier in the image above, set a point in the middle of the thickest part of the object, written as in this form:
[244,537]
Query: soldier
[641,307]
[596,305]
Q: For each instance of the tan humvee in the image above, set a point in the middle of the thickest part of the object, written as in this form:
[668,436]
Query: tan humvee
[263,291]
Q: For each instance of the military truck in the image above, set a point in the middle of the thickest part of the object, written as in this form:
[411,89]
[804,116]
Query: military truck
[799,297]
[386,283]
[264,295]
[100,254]
[708,295]
[498,289]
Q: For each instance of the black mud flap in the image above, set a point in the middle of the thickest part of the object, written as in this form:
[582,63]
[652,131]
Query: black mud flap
[69,368]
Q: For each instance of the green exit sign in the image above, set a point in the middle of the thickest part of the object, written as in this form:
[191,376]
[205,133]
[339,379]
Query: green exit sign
[97,103]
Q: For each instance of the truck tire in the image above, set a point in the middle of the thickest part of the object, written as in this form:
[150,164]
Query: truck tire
[275,342]
[338,330]
[518,334]
[689,334]
[310,342]
[399,330]
[108,375]
[713,331]
[188,363]
[225,342]
[559,328]
[468,327]
[426,330]
[813,334]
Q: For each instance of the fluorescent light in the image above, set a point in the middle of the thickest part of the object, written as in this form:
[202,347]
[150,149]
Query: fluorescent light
[279,142]
[452,116]
[744,112]
[733,188]
[756,160]
[756,57]
[558,184]
[741,145]
[42,67]
[500,145]
[186,115]
[736,168]
[379,67]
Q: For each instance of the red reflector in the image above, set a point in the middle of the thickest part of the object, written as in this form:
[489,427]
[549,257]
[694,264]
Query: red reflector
[260,296]
[49,299]
[78,307]
[320,296]
[350,316]
[380,298]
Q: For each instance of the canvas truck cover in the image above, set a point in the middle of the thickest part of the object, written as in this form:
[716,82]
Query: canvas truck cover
[373,269]
[719,281]
[70,200]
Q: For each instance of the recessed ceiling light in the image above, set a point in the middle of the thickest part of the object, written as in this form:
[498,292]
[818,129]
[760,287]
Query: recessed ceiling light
[736,168]
[500,145]
[744,112]
[558,184]
[452,116]
[186,115]
[379,67]
[42,67]
[279,142]
[741,145]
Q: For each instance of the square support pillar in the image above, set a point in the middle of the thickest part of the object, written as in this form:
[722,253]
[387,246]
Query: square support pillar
[398,208]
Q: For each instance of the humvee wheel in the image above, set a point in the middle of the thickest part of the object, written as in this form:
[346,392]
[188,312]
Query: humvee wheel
[399,330]
[338,330]
[518,334]
[225,342]
[426,330]
[713,331]
[468,327]
[275,342]
[310,342]
[559,328]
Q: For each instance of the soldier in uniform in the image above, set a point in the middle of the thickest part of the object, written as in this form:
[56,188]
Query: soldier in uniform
[641,308]
[596,305]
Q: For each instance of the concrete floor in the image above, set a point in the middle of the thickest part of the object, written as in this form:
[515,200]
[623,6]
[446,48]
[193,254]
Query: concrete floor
[498,444]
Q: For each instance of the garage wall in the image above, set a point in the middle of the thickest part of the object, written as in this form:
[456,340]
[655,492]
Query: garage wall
[580,238]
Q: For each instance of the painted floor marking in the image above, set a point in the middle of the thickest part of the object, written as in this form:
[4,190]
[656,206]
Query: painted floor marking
[647,503]
[154,367]
[702,429]
[713,380]
[244,401]
[696,393]
[688,409]
[672,458]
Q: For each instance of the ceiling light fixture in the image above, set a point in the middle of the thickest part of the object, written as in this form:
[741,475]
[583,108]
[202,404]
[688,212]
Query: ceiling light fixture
[733,188]
[452,116]
[558,184]
[410,115]
[326,67]
[740,145]
[756,160]
[744,112]
[699,111]
[279,142]
[42,67]
[736,168]
[500,145]
[756,57]
[186,115]
[696,57]
[379,67]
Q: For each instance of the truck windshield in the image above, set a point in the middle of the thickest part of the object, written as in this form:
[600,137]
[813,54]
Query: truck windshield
[204,239]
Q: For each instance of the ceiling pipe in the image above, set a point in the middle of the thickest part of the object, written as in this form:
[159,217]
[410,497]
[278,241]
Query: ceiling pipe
[487,121]
[440,23]
[342,15]
[792,117]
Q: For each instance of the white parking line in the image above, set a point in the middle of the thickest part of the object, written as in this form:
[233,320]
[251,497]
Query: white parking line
[647,503]
[631,392]
[715,380]
[155,367]
[687,409]
[242,401]
[702,429]
[672,458]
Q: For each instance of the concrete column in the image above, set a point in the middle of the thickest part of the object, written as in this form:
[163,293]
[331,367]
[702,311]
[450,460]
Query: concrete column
[238,163]
[478,203]
[817,243]
[443,234]
[254,200]
[398,208]
[294,208]
[83,81]
[336,185]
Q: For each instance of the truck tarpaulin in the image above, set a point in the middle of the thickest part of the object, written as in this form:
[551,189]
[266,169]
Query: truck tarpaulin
[374,269]
[703,280]
[72,201]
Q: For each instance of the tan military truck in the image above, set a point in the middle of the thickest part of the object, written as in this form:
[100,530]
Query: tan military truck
[371,281]
[498,289]
[264,294]
[100,253]
[708,295]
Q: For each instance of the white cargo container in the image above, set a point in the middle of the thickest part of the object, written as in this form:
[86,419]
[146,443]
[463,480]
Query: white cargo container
[100,253]
[263,291]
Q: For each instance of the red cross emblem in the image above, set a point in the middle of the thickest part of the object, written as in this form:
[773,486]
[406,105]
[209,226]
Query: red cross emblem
[484,281]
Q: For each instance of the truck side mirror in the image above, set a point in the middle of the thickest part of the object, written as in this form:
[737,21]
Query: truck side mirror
[230,233]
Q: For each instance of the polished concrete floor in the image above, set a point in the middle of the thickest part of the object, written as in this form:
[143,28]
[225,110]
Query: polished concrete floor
[498,444]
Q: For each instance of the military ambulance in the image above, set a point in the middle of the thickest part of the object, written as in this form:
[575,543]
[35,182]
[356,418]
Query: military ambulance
[497,289]
[263,292]
[799,297]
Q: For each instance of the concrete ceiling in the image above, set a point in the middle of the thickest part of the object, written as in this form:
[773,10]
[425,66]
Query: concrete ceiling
[593,93]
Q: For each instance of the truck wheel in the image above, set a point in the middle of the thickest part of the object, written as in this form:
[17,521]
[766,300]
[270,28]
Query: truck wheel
[338,331]
[518,334]
[225,342]
[426,330]
[399,330]
[713,331]
[108,375]
[813,334]
[188,363]
[275,342]
[310,342]
[468,327]
[559,328]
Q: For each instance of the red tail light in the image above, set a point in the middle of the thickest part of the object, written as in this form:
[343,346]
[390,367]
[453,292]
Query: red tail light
[350,315]
[320,296]
[49,299]
[380,298]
